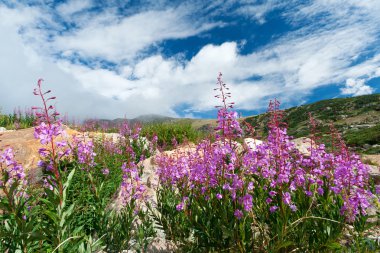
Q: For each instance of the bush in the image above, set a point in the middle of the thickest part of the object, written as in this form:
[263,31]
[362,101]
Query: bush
[272,199]
[72,212]
[170,134]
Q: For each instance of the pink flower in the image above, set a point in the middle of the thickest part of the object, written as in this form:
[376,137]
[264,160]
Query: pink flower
[247,202]
[273,209]
[238,214]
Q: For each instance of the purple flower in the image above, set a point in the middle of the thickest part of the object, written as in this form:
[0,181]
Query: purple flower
[308,193]
[85,153]
[105,171]
[277,164]
[286,198]
[131,186]
[273,209]
[247,202]
[272,193]
[238,214]
[43,152]
[180,206]
[293,207]
[15,172]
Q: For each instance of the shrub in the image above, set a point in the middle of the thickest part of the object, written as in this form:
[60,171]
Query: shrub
[72,212]
[269,199]
[169,134]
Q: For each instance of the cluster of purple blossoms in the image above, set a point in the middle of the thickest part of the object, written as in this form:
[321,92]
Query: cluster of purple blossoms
[48,129]
[210,167]
[228,126]
[112,147]
[219,169]
[54,150]
[182,204]
[85,153]
[13,170]
[131,185]
[45,133]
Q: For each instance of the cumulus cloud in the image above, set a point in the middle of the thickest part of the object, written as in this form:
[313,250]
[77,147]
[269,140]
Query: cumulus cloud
[73,6]
[116,39]
[356,88]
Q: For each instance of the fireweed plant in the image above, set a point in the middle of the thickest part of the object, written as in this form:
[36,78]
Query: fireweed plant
[18,229]
[268,199]
[72,209]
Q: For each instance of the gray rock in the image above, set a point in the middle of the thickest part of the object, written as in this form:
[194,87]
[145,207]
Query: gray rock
[374,172]
[251,143]
[303,145]
[2,129]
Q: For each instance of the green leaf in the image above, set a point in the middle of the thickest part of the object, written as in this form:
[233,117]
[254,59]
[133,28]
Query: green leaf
[65,214]
[334,246]
[283,245]
[53,216]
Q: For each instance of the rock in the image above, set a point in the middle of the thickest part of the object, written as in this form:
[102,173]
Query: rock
[303,145]
[374,173]
[372,159]
[372,211]
[366,146]
[2,129]
[25,147]
[149,177]
[114,137]
[182,150]
[251,143]
[161,245]
[235,145]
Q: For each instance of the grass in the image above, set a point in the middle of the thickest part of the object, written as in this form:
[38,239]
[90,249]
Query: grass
[169,134]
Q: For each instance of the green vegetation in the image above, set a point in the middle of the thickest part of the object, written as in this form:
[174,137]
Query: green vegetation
[344,113]
[167,133]
[361,137]
[17,120]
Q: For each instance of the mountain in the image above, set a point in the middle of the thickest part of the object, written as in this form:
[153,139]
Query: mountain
[143,119]
[357,119]
[152,118]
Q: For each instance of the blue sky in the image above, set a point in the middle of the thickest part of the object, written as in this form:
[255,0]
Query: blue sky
[109,59]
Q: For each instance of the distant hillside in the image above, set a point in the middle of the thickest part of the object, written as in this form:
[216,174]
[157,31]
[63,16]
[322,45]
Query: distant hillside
[152,118]
[357,119]
[143,119]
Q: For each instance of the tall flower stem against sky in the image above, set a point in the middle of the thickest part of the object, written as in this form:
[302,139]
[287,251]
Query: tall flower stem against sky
[48,129]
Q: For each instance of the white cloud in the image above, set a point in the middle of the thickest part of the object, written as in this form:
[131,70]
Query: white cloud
[73,6]
[356,88]
[21,67]
[257,11]
[112,39]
